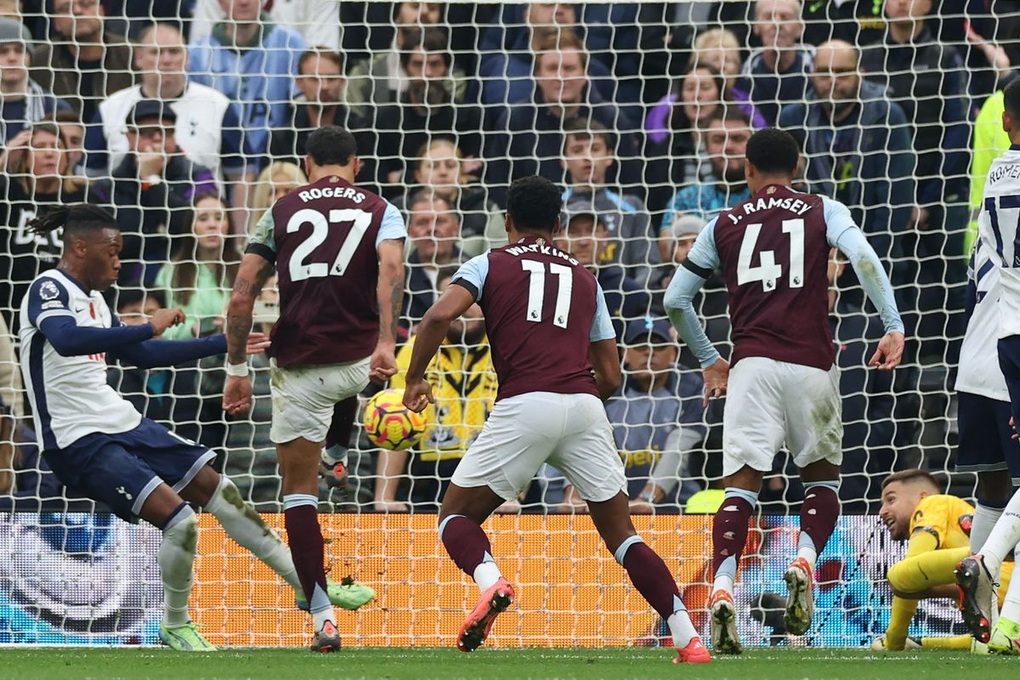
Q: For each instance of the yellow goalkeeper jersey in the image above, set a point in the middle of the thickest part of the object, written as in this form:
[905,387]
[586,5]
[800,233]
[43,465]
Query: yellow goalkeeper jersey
[464,384]
[945,517]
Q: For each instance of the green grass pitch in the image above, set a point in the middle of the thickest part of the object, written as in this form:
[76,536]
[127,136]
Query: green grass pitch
[493,664]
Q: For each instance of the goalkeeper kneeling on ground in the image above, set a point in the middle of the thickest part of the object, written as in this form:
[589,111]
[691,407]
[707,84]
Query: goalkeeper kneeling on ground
[937,527]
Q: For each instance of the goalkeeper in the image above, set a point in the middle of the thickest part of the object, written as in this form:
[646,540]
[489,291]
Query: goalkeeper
[937,527]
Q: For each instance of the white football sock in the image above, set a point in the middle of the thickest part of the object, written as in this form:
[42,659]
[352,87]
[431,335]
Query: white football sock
[985,518]
[243,524]
[176,564]
[1004,536]
[680,625]
[487,573]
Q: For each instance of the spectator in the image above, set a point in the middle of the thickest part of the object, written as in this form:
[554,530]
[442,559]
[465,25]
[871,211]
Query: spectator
[208,126]
[316,20]
[441,168]
[151,191]
[674,140]
[321,84]
[720,49]
[200,274]
[427,108]
[464,384]
[72,134]
[528,138]
[584,236]
[857,150]
[506,75]
[926,79]
[433,233]
[381,79]
[253,62]
[24,101]
[777,73]
[274,182]
[33,182]
[657,415]
[12,395]
[725,139]
[84,62]
[588,154]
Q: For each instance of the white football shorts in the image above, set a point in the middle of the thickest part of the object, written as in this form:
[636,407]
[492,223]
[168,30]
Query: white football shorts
[769,403]
[571,432]
[304,396]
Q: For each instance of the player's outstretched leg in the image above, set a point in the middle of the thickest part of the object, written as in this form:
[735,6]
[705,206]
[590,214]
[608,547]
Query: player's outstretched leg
[818,515]
[649,574]
[221,498]
[977,591]
[176,567]
[460,518]
[729,533]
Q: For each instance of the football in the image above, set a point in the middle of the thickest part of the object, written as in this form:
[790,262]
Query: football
[389,424]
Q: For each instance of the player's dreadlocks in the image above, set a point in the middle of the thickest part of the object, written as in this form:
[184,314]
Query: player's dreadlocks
[76,219]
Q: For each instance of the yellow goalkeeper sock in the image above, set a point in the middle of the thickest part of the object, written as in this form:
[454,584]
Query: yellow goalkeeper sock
[954,642]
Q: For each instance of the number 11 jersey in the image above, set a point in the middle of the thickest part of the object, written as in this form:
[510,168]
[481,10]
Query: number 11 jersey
[543,310]
[323,238]
[999,229]
[774,251]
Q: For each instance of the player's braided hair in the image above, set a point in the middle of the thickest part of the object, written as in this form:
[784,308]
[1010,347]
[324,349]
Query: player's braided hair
[76,218]
[534,204]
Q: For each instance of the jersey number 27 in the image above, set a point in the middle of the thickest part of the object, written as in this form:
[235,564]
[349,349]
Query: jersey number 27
[300,269]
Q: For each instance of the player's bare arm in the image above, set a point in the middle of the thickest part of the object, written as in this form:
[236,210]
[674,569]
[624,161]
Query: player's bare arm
[251,277]
[605,359]
[390,292]
[454,301]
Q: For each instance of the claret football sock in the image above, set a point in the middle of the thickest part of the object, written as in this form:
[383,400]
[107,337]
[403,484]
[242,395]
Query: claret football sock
[818,515]
[305,539]
[729,533]
[176,564]
[245,526]
[651,577]
[469,548]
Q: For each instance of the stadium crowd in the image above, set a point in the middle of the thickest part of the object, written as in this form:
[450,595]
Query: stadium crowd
[189,119]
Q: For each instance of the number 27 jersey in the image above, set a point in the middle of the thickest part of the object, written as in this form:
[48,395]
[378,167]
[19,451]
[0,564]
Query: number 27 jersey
[543,310]
[324,240]
[774,250]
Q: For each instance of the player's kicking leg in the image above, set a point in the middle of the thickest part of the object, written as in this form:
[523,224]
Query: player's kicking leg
[460,518]
[217,495]
[649,575]
[818,515]
[333,465]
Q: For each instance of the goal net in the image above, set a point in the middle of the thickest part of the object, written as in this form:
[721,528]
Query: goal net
[640,112]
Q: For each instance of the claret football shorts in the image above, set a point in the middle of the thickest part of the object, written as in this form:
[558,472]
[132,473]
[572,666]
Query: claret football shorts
[770,403]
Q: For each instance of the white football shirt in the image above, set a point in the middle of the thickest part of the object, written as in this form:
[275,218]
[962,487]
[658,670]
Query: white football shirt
[999,228]
[69,395]
[979,371]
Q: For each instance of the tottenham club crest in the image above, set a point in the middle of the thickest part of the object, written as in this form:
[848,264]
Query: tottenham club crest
[49,291]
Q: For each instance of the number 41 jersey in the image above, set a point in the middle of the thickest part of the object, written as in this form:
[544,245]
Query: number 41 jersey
[774,250]
[323,238]
[543,310]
